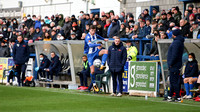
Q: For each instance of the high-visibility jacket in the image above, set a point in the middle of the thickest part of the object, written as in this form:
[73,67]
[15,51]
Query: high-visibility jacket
[132,51]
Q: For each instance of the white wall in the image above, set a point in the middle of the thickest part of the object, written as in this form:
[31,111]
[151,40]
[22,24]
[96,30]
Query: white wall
[66,9]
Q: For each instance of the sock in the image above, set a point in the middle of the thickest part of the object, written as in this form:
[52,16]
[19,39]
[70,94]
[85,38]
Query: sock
[187,88]
[104,58]
[92,77]
[191,87]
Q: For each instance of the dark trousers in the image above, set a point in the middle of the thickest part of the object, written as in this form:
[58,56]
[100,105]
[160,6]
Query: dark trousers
[175,83]
[116,75]
[83,79]
[42,73]
[21,69]
[51,74]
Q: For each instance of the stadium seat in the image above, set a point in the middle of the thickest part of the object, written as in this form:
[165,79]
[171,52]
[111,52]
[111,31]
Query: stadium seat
[99,80]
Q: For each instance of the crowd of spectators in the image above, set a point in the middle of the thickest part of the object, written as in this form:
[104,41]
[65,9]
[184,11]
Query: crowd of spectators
[57,27]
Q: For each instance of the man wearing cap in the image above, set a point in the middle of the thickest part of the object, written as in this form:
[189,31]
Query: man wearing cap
[174,61]
[73,36]
[194,31]
[29,21]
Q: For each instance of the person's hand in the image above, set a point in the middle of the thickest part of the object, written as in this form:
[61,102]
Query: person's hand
[36,69]
[168,31]
[191,29]
[152,55]
[156,55]
[106,40]
[47,70]
[183,76]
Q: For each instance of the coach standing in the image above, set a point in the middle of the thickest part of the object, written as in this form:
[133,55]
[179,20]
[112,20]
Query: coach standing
[20,56]
[174,61]
[117,56]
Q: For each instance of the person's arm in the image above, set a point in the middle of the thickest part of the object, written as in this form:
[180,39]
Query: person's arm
[7,52]
[55,64]
[124,56]
[108,58]
[133,52]
[175,51]
[27,53]
[193,71]
[14,53]
[88,41]
[141,34]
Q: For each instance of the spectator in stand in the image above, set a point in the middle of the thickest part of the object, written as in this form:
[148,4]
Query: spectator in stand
[123,17]
[174,61]
[53,35]
[30,34]
[198,13]
[122,31]
[158,16]
[76,29]
[113,29]
[84,74]
[117,56]
[105,30]
[190,75]
[164,20]
[155,11]
[61,20]
[4,50]
[67,27]
[163,35]
[154,49]
[14,23]
[177,15]
[169,31]
[190,8]
[194,31]
[28,21]
[128,32]
[38,34]
[21,54]
[148,27]
[184,25]
[73,36]
[170,19]
[47,36]
[146,15]
[142,32]
[130,18]
[83,36]
[37,23]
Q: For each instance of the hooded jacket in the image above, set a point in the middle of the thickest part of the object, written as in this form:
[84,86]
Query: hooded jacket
[117,56]
[44,63]
[175,52]
[191,69]
[21,53]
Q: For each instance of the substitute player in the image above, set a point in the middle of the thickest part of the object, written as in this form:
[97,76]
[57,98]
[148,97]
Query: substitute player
[92,51]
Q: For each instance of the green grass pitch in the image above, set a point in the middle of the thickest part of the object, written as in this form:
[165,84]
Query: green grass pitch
[38,99]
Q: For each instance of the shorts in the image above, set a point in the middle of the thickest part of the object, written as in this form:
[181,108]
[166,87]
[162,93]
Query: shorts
[92,57]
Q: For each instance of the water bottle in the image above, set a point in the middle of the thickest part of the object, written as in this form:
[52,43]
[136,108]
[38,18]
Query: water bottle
[146,97]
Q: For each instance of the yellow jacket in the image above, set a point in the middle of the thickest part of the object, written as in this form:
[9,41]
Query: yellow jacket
[132,52]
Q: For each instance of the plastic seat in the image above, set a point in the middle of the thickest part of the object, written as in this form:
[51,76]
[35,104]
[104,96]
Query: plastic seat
[99,80]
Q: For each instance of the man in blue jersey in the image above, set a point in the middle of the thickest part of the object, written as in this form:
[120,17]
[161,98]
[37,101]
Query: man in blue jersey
[92,51]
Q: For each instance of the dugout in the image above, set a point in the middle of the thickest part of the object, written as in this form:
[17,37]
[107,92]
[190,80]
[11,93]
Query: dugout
[190,45]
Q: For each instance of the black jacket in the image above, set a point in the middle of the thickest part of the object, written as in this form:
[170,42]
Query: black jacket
[21,53]
[44,63]
[185,30]
[55,65]
[117,56]
[191,69]
[175,52]
[4,51]
[113,30]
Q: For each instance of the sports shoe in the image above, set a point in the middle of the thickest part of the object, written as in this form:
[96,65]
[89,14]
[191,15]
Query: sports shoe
[184,97]
[113,94]
[80,88]
[189,97]
[102,67]
[84,88]
[7,84]
[169,99]
[119,95]
[178,100]
[96,89]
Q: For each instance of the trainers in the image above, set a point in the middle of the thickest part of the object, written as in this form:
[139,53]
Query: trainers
[178,100]
[80,88]
[189,97]
[113,94]
[7,84]
[84,88]
[96,89]
[169,99]
[102,67]
[184,97]
[119,95]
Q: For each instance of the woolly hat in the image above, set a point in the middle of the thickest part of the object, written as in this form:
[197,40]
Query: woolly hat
[176,31]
